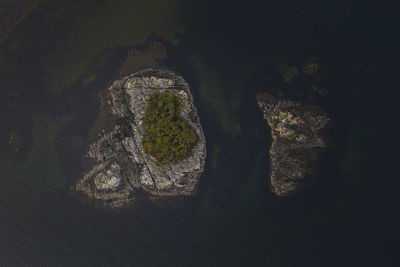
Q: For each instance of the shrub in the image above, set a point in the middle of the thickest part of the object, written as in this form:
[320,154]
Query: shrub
[167,137]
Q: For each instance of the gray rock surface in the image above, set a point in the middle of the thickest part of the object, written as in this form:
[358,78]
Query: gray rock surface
[121,166]
[298,137]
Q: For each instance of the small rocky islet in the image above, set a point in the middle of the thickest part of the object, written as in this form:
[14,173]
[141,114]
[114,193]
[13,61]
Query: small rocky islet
[298,137]
[121,165]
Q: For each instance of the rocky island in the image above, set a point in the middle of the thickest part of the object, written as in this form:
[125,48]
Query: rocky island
[156,143]
[298,137]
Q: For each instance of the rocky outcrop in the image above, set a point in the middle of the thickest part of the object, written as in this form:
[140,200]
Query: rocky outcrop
[298,137]
[121,166]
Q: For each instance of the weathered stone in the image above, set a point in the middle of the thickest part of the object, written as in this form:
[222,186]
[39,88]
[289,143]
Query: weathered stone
[121,165]
[298,137]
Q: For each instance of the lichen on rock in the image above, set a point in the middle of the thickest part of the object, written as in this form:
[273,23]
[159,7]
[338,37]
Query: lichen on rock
[298,137]
[121,165]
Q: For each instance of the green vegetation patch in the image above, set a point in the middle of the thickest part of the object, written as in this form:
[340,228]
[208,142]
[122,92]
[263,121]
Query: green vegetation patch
[167,137]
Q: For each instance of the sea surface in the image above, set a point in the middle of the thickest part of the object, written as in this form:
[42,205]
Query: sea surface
[65,52]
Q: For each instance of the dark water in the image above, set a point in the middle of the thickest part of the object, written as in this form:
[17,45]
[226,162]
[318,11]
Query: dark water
[228,52]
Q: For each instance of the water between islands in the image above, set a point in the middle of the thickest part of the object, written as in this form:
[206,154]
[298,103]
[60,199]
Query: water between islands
[233,219]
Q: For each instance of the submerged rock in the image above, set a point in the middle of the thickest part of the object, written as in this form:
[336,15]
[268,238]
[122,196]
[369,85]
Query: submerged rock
[312,66]
[320,75]
[15,141]
[298,137]
[121,166]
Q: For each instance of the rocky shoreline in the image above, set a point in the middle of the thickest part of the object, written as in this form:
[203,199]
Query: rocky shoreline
[121,167]
[298,138]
